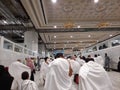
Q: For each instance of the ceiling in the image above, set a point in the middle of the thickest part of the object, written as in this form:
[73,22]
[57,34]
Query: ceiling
[13,20]
[85,13]
[66,24]
[75,40]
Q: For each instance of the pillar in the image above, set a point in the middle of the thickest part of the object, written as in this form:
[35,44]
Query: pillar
[31,40]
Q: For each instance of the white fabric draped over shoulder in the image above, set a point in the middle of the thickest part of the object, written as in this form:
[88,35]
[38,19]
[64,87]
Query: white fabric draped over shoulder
[99,60]
[94,77]
[44,69]
[58,76]
[75,66]
[28,85]
[15,70]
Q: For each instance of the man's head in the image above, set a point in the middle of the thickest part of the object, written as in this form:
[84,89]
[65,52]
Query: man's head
[18,60]
[95,55]
[25,75]
[105,54]
[58,55]
[73,57]
[89,56]
[46,58]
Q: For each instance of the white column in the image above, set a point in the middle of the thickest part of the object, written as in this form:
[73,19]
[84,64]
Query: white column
[31,40]
[42,50]
[2,42]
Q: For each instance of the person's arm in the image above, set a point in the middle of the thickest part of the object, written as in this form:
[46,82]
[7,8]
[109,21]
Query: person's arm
[14,85]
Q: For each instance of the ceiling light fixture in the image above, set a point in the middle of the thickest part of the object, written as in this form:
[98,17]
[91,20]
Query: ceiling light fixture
[110,35]
[22,36]
[68,25]
[55,26]
[71,36]
[103,24]
[5,22]
[96,1]
[81,49]
[89,36]
[89,44]
[54,36]
[78,26]
[67,41]
[54,1]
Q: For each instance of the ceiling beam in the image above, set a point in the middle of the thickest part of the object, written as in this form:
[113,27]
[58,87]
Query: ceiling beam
[6,13]
[15,27]
[58,30]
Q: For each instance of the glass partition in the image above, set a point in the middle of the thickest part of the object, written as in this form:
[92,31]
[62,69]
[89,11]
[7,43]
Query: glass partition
[8,45]
[18,49]
[94,48]
[25,51]
[0,42]
[115,42]
[103,46]
[30,52]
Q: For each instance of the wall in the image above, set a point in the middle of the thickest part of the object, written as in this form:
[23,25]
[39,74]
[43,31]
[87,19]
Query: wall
[7,56]
[113,53]
[108,42]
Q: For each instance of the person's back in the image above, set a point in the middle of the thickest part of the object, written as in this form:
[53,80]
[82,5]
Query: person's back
[94,77]
[107,62]
[5,79]
[89,58]
[26,83]
[118,66]
[43,71]
[59,75]
[15,70]
[100,60]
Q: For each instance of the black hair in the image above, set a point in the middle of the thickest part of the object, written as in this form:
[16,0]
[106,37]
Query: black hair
[89,55]
[59,55]
[95,55]
[105,54]
[46,58]
[25,75]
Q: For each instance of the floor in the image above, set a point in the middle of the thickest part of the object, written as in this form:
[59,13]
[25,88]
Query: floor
[115,78]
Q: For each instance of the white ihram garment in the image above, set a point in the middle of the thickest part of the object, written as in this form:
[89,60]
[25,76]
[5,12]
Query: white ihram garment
[15,70]
[44,70]
[28,85]
[58,76]
[99,60]
[94,77]
[75,67]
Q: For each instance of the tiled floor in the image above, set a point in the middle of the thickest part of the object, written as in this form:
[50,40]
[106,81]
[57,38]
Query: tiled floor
[115,78]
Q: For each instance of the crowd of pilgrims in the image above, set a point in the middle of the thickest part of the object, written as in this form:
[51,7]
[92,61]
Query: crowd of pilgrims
[61,73]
